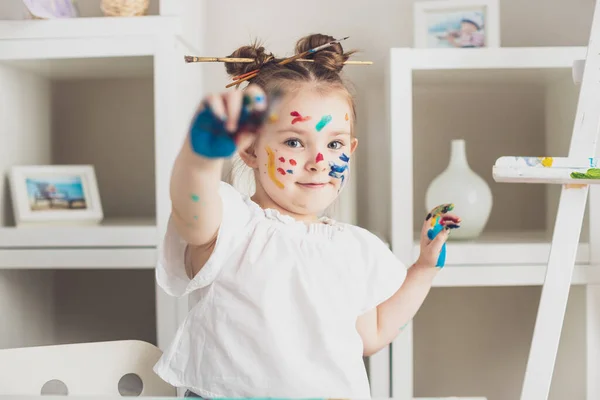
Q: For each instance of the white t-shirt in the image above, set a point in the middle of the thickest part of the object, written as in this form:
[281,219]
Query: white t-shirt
[273,311]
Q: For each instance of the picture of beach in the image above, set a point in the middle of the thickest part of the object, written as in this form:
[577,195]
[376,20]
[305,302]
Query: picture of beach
[56,193]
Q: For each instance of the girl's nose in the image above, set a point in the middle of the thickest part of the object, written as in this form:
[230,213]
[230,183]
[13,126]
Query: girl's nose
[317,164]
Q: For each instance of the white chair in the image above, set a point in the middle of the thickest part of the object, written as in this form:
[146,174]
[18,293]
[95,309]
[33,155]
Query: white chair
[116,368]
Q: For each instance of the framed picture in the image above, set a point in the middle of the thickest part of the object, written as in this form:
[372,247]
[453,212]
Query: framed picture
[456,24]
[55,194]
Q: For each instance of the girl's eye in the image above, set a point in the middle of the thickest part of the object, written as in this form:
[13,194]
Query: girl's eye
[336,145]
[293,143]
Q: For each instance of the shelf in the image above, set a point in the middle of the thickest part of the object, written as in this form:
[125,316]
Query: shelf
[506,249]
[517,65]
[83,28]
[492,58]
[81,38]
[138,232]
[504,275]
[109,258]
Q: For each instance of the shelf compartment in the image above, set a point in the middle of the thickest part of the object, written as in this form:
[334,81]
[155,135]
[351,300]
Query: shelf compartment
[79,258]
[106,123]
[44,307]
[140,232]
[531,117]
[506,248]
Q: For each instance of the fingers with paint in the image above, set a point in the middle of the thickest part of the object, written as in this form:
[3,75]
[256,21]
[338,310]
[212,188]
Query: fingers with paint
[439,222]
[209,136]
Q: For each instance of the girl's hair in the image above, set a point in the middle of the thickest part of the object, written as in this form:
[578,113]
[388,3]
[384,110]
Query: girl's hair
[323,73]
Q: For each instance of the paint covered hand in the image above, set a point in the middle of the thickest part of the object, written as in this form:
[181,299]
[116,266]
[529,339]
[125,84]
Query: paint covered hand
[228,121]
[436,228]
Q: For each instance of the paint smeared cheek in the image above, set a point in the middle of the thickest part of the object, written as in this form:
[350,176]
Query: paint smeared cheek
[271,168]
[339,171]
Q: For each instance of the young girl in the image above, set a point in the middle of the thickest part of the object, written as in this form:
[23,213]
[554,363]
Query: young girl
[283,301]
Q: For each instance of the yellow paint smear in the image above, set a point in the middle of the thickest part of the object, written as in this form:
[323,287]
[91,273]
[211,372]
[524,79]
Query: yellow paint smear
[547,161]
[271,168]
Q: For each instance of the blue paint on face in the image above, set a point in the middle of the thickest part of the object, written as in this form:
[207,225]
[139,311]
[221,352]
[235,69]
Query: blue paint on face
[337,170]
[289,171]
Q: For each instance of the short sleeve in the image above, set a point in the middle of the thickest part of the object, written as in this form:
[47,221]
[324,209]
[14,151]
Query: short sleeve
[384,272]
[170,269]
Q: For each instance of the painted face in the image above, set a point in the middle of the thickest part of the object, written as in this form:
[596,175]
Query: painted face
[303,154]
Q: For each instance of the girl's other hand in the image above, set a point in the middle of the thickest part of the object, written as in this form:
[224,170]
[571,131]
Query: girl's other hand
[442,221]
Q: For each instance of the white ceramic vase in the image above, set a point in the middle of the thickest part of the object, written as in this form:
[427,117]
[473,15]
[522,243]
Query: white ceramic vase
[470,194]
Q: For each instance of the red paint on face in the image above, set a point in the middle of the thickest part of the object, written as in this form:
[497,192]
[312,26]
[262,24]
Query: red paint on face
[281,159]
[319,158]
[292,161]
[298,117]
[281,171]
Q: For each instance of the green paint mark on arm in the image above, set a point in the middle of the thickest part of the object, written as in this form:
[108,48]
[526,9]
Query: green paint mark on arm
[195,198]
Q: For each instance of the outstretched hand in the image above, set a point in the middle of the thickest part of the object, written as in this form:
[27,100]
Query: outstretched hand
[228,121]
[434,234]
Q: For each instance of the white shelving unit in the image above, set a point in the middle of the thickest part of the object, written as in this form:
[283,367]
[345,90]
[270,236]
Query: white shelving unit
[502,101]
[113,92]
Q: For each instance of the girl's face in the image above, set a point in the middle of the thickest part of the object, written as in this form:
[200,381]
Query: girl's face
[301,156]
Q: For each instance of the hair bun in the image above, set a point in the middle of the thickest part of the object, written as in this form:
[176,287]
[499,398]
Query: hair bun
[331,58]
[258,53]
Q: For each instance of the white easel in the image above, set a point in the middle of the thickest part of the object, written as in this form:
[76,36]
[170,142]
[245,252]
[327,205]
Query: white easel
[569,219]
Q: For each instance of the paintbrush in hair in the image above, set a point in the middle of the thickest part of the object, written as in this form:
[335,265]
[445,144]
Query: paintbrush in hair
[252,74]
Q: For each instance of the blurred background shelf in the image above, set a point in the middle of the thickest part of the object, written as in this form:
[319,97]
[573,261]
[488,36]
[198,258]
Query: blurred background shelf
[504,248]
[114,93]
[79,258]
[90,27]
[501,102]
[487,275]
[115,232]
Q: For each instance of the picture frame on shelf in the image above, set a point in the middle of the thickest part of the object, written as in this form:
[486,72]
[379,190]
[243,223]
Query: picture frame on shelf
[55,194]
[456,24]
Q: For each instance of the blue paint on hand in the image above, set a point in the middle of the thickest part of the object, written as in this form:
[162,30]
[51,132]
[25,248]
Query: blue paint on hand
[208,136]
[431,234]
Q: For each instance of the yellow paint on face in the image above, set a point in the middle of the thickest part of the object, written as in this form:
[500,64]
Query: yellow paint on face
[271,168]
[547,161]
